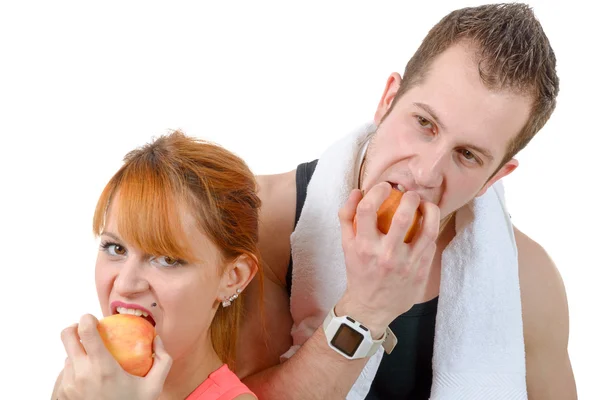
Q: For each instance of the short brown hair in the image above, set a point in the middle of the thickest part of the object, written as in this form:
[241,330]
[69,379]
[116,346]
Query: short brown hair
[215,185]
[513,53]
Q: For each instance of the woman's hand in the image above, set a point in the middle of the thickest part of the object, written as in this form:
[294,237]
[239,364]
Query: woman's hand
[91,372]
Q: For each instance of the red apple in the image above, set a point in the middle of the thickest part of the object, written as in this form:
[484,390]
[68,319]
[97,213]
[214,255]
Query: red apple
[129,339]
[385,214]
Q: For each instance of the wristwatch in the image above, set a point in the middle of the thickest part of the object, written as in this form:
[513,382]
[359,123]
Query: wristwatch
[352,339]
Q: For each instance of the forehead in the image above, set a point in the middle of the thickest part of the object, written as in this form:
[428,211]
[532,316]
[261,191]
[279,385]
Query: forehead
[176,233]
[465,106]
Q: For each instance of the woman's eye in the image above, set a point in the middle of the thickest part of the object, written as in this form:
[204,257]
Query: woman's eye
[166,261]
[114,249]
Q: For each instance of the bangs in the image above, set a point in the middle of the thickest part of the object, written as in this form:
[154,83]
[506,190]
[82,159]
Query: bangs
[148,206]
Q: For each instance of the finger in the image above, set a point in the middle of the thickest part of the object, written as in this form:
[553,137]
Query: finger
[403,218]
[67,381]
[68,374]
[91,340]
[424,266]
[70,339]
[161,365]
[421,273]
[366,211]
[429,230]
[347,213]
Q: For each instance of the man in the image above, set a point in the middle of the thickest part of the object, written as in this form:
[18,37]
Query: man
[480,86]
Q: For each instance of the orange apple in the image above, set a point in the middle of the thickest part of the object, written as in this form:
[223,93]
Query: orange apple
[129,339]
[385,214]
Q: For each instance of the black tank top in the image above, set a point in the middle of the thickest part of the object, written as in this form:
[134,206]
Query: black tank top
[406,373]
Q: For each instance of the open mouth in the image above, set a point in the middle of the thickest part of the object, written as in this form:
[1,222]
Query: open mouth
[397,186]
[137,312]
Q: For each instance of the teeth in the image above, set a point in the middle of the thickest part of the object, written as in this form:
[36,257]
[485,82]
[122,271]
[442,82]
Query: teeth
[132,311]
[401,188]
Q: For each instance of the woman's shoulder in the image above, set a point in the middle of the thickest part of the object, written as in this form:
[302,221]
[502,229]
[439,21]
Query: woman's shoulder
[245,396]
[225,385]
[236,389]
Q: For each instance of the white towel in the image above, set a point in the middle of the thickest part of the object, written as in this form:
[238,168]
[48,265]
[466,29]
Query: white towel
[478,349]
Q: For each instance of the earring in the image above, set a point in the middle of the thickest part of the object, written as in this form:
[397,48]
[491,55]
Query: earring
[227,302]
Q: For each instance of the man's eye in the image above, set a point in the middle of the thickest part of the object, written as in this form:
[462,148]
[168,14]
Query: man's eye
[423,122]
[468,155]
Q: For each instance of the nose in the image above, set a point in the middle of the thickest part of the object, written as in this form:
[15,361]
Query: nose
[130,280]
[427,168]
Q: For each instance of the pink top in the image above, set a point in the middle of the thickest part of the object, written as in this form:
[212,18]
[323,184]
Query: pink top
[222,384]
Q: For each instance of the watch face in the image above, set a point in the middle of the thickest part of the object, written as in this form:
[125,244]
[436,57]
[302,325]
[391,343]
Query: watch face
[347,340]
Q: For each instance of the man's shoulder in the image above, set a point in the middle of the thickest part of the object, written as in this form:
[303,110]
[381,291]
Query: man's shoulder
[544,300]
[277,193]
[534,255]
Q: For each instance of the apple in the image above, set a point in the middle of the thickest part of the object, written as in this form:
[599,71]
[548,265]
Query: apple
[129,339]
[385,214]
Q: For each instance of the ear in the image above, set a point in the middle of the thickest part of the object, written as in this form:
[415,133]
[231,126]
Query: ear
[237,275]
[506,169]
[391,88]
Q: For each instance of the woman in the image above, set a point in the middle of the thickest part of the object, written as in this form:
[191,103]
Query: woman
[178,225]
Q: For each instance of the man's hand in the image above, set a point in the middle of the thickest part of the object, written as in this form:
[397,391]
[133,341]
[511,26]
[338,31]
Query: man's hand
[385,275]
[91,372]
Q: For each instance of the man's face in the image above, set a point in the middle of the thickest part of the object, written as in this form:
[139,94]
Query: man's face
[445,136]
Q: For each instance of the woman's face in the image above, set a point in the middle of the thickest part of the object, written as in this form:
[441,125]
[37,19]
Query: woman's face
[186,294]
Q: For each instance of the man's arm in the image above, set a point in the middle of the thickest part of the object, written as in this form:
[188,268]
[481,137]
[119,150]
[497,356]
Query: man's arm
[266,326]
[315,371]
[545,324]
[384,275]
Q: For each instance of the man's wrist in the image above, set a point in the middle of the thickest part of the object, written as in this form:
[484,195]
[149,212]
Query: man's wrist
[369,318]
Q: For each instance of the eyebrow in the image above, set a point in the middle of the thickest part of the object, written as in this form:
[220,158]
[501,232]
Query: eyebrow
[430,111]
[486,153]
[112,235]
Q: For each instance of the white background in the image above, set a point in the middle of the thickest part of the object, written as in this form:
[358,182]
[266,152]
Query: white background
[82,84]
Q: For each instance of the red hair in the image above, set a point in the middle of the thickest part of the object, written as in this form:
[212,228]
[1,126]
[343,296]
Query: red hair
[216,185]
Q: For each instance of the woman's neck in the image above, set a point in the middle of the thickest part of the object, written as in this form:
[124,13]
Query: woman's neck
[190,370]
